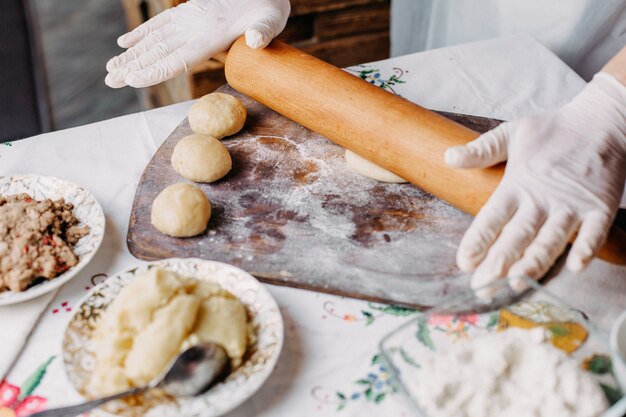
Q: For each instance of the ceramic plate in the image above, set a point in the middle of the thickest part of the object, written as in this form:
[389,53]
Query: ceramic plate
[259,361]
[86,209]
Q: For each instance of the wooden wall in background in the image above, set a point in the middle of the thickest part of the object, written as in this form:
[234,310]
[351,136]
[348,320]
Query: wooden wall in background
[342,32]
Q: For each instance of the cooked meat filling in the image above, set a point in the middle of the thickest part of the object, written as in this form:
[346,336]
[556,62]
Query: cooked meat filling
[36,240]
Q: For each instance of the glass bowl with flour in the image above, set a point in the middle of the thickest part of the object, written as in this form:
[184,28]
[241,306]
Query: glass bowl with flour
[514,355]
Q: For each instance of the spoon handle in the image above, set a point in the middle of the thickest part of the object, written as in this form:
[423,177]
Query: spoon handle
[74,410]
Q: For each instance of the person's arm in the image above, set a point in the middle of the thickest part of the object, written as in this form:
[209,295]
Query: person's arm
[565,175]
[179,38]
[617,66]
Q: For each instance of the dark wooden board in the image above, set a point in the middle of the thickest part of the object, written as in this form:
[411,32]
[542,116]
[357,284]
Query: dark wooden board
[292,213]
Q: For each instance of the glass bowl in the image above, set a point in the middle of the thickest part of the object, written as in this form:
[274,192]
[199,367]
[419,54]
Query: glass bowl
[468,316]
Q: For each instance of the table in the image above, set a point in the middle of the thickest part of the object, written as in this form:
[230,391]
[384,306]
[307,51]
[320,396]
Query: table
[329,365]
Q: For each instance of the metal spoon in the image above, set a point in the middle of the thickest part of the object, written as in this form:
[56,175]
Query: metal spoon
[190,374]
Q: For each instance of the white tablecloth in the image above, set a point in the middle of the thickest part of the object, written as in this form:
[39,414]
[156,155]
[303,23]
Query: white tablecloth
[330,341]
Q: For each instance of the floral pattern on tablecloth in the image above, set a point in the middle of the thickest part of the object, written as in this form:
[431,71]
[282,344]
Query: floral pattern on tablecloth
[375,76]
[373,387]
[65,306]
[368,314]
[20,401]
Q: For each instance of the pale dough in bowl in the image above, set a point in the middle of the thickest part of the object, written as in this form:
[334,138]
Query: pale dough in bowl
[201,158]
[153,319]
[217,115]
[181,210]
[369,169]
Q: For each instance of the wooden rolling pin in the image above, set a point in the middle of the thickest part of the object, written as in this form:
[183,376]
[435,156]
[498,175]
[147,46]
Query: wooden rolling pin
[388,130]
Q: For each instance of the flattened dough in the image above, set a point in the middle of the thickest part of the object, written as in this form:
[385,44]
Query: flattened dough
[217,115]
[368,169]
[201,158]
[181,210]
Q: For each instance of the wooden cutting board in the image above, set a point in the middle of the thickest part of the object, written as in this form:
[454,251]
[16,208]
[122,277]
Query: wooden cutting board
[292,213]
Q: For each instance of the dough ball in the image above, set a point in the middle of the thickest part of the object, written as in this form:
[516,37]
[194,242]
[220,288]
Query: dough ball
[368,169]
[181,210]
[217,115]
[201,158]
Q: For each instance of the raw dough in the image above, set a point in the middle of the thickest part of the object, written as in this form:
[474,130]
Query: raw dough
[159,342]
[201,158]
[221,319]
[215,324]
[181,210]
[217,115]
[368,169]
[156,316]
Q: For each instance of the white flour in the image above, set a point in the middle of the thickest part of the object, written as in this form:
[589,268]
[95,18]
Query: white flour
[517,373]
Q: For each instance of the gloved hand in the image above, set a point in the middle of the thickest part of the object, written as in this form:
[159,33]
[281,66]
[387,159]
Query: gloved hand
[565,174]
[179,38]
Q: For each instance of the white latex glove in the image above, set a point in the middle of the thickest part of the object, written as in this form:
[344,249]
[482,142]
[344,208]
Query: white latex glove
[179,38]
[565,174]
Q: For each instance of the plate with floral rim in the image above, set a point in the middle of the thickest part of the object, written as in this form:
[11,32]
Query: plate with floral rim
[259,361]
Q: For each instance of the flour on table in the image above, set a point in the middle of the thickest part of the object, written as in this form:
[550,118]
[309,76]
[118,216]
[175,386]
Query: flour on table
[517,373]
[335,214]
